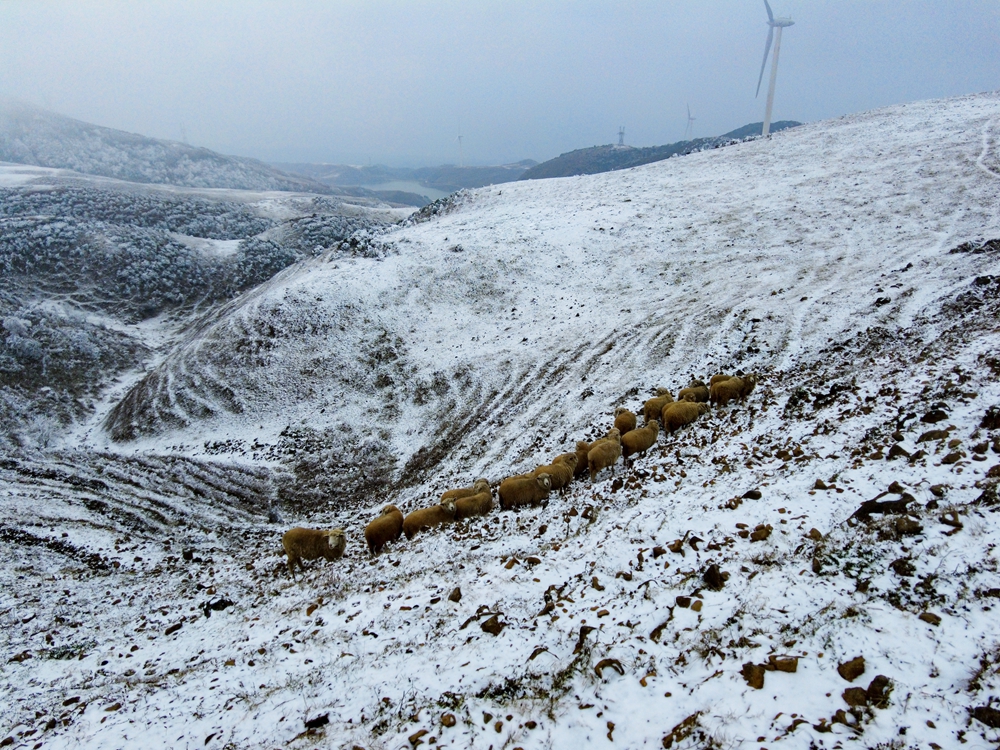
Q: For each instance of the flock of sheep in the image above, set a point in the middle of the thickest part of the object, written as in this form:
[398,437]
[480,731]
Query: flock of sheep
[625,440]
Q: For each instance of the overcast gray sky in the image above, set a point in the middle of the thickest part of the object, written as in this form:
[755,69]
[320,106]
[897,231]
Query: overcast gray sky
[396,82]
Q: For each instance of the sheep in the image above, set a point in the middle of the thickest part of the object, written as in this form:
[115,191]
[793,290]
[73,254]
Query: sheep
[386,528]
[524,490]
[560,471]
[725,391]
[479,504]
[428,518]
[718,378]
[639,441]
[681,413]
[697,391]
[652,408]
[308,544]
[624,420]
[582,449]
[479,486]
[604,453]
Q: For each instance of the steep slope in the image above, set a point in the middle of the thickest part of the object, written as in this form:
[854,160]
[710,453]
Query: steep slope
[597,159]
[29,135]
[716,594]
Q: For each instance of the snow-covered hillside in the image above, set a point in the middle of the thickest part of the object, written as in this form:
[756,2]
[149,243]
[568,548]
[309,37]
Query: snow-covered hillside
[29,135]
[716,594]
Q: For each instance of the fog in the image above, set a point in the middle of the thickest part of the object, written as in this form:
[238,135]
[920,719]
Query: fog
[359,81]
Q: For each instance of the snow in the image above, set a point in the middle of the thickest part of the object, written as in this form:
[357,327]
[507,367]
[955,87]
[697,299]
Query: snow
[483,342]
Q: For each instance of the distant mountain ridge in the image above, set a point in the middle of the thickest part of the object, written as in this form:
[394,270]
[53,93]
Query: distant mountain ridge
[608,158]
[30,135]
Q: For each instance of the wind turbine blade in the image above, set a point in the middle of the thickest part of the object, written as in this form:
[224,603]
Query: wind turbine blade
[689,111]
[767,48]
[770,15]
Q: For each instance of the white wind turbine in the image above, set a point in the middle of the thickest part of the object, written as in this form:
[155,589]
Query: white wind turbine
[689,130]
[779,24]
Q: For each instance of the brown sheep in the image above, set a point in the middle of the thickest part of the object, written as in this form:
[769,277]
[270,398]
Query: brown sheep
[515,491]
[639,441]
[479,486]
[560,471]
[474,505]
[604,453]
[725,391]
[428,518]
[386,528]
[682,413]
[652,408]
[582,449]
[718,378]
[308,544]
[697,392]
[624,420]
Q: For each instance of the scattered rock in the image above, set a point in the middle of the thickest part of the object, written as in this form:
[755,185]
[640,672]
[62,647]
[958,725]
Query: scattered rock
[868,507]
[713,577]
[987,715]
[934,416]
[993,472]
[752,495]
[532,560]
[933,435]
[173,628]
[991,420]
[898,436]
[761,532]
[754,675]
[820,485]
[683,601]
[605,663]
[930,617]
[492,625]
[896,451]
[903,567]
[448,720]
[851,670]
[916,456]
[953,458]
[658,551]
[906,526]
[815,535]
[939,490]
[318,722]
[456,595]
[415,738]
[896,488]
[696,605]
[782,663]
[878,691]
[855,697]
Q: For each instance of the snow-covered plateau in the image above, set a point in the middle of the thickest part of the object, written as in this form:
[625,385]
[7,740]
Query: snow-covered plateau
[716,594]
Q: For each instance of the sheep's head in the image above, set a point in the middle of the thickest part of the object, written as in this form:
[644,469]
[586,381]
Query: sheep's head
[703,408]
[654,425]
[620,410]
[689,397]
[615,434]
[390,509]
[697,384]
[481,485]
[662,391]
[570,459]
[544,481]
[335,537]
[449,506]
[582,445]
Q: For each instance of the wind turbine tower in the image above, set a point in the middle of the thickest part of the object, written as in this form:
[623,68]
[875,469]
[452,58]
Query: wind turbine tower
[689,130]
[773,23]
[621,136]
[461,154]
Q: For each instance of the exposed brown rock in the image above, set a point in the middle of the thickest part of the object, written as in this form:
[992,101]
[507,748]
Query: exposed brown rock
[934,416]
[448,720]
[878,691]
[713,577]
[754,675]
[930,618]
[855,697]
[851,670]
[455,595]
[933,435]
[492,625]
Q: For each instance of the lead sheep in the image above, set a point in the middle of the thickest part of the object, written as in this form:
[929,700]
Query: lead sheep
[736,388]
[696,391]
[474,505]
[624,420]
[681,413]
[428,518]
[604,453]
[639,441]
[479,486]
[561,471]
[386,528]
[652,408]
[524,490]
[309,544]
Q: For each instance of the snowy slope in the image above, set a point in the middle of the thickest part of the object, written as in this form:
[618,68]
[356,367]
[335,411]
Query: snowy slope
[29,135]
[844,262]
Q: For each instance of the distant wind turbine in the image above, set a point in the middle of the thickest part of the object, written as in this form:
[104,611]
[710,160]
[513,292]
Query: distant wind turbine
[689,130]
[779,24]
[461,154]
